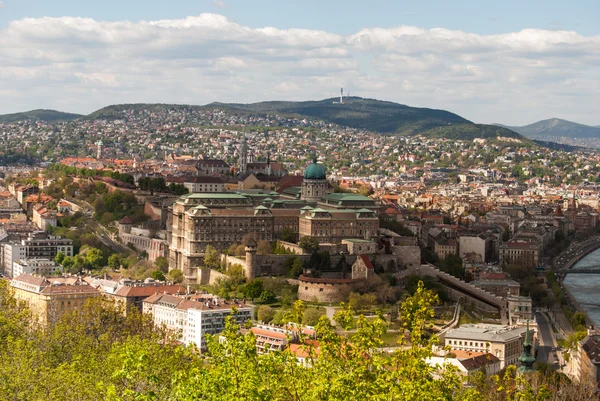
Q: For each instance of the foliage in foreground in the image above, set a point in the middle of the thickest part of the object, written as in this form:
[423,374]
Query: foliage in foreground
[99,354]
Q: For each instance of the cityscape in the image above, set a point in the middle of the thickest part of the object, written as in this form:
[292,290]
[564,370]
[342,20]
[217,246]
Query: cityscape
[335,247]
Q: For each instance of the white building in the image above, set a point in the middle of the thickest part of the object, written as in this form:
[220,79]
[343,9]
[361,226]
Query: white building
[38,245]
[41,267]
[504,342]
[193,319]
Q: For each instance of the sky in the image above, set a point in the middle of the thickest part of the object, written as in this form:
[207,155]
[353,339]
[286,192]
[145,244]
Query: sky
[510,62]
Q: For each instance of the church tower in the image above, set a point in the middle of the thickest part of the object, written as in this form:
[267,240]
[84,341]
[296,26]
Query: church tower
[244,156]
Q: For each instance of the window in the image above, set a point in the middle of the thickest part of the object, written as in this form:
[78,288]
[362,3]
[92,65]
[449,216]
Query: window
[320,290]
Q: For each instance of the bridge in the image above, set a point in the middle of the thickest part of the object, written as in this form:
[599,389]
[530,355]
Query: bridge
[593,269]
[462,287]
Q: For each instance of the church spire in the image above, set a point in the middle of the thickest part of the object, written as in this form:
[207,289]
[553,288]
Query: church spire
[527,359]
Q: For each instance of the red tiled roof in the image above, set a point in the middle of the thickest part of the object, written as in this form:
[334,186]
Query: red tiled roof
[148,290]
[126,220]
[367,262]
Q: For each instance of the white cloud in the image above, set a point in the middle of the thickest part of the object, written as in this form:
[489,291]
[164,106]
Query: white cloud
[514,78]
[219,3]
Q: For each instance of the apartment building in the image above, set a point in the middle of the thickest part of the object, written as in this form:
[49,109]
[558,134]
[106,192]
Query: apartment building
[51,298]
[193,319]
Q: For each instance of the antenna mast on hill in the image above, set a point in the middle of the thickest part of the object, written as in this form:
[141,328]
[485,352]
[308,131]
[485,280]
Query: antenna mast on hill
[342,96]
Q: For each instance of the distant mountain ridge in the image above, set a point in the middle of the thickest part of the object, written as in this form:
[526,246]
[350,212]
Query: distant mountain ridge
[556,128]
[39,115]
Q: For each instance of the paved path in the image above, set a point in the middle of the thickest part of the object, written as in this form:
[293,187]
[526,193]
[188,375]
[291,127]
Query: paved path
[330,311]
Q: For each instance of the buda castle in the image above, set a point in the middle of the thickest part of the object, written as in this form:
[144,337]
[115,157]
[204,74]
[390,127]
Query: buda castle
[221,219]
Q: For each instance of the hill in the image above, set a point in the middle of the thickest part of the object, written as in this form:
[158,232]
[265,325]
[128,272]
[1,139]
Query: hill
[556,128]
[374,115]
[39,115]
[370,114]
[470,132]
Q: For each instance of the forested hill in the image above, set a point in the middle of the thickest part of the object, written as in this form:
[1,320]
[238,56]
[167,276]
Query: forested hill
[370,114]
[39,115]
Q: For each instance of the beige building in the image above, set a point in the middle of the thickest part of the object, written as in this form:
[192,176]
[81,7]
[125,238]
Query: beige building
[520,253]
[504,342]
[335,225]
[50,298]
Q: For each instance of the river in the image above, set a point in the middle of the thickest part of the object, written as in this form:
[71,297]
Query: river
[586,287]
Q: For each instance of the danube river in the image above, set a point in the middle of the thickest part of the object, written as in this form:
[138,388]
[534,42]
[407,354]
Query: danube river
[586,287]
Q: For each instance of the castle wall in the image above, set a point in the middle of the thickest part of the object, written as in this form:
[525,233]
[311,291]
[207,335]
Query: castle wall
[323,292]
[409,256]
[207,276]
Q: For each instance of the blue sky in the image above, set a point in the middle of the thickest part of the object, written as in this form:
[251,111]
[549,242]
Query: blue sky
[344,17]
[512,62]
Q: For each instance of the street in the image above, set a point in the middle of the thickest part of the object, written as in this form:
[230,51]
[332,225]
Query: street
[547,343]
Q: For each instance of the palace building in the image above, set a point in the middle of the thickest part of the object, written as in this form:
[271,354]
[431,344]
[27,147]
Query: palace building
[222,219]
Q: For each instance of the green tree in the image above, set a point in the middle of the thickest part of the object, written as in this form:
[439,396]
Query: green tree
[288,235]
[253,289]
[60,256]
[267,297]
[176,276]
[114,261]
[212,258]
[309,244]
[93,257]
[158,275]
[312,315]
[265,313]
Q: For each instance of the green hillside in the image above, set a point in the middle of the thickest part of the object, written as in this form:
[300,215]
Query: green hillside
[470,132]
[370,114]
[39,115]
[115,111]
[373,115]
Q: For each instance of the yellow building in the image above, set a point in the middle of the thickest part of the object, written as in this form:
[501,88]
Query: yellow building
[50,298]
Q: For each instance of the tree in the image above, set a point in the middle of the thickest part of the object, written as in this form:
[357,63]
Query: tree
[211,258]
[263,248]
[253,289]
[93,257]
[162,263]
[114,261]
[416,312]
[265,313]
[288,235]
[176,276]
[297,267]
[60,256]
[267,297]
[312,315]
[158,275]
[357,301]
[309,244]
[344,317]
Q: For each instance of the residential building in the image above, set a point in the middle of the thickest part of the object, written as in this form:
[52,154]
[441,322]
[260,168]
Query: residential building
[523,253]
[50,298]
[194,319]
[38,245]
[42,267]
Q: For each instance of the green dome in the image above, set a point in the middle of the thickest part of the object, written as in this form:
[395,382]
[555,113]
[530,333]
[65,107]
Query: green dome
[315,171]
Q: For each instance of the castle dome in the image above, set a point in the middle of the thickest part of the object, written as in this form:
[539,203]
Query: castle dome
[315,171]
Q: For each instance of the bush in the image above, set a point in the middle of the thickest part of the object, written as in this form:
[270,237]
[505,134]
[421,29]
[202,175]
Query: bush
[265,314]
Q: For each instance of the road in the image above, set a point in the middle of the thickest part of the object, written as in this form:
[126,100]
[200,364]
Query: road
[547,347]
[101,232]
